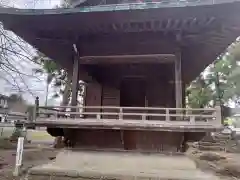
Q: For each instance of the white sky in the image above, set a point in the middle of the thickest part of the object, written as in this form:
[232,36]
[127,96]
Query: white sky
[31,4]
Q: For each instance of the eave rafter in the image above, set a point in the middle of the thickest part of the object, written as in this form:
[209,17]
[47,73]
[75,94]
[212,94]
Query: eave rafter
[169,24]
[126,59]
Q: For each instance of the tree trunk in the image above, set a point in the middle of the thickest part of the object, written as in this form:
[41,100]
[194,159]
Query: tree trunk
[46,98]
[66,92]
[58,142]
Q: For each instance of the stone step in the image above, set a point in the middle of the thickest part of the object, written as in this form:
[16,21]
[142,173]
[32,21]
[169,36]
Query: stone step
[79,165]
[202,143]
[221,137]
[160,175]
[216,139]
[211,148]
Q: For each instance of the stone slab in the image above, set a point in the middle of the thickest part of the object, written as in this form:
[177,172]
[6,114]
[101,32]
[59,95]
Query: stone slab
[122,165]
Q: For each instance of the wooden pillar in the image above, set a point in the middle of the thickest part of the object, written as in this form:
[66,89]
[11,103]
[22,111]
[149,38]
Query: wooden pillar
[178,81]
[75,77]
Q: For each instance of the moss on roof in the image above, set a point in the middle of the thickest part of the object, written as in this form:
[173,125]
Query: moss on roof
[146,5]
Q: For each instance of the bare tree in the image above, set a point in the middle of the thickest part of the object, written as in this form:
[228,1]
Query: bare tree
[15,55]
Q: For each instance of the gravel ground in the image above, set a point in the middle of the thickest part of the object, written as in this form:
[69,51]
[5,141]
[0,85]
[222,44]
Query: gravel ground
[32,156]
[36,153]
[225,165]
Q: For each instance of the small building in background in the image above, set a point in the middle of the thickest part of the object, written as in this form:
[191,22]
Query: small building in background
[3,101]
[3,107]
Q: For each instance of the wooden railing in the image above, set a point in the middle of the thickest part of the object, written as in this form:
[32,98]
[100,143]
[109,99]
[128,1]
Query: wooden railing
[13,119]
[13,116]
[190,115]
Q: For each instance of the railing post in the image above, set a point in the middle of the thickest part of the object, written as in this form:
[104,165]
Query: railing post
[98,116]
[121,114]
[218,114]
[192,119]
[34,112]
[167,115]
[144,117]
[36,109]
[56,114]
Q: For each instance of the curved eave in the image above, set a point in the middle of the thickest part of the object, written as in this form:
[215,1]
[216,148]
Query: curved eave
[54,31]
[83,21]
[118,7]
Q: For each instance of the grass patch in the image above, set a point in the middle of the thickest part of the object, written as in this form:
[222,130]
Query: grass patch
[39,135]
[6,144]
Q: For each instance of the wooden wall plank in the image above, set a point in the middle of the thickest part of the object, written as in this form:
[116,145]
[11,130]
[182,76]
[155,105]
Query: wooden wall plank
[110,97]
[93,96]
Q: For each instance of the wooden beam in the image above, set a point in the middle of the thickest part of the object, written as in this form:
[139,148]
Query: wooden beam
[169,24]
[209,21]
[84,73]
[176,23]
[122,59]
[128,125]
[193,22]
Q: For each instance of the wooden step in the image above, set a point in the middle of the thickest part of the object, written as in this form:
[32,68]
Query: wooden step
[73,165]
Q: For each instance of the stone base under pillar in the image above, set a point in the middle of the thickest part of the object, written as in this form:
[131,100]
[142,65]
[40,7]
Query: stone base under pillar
[76,165]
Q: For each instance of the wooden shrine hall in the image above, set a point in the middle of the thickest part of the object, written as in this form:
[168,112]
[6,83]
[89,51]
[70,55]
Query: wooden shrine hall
[135,60]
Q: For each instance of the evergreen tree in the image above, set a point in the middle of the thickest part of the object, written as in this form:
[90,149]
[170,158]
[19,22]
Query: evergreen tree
[220,82]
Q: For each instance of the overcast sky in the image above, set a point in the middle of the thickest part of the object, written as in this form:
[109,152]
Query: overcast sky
[31,4]
[31,85]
